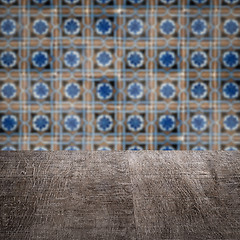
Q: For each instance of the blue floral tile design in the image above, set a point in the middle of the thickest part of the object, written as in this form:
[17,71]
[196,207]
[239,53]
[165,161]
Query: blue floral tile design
[119,75]
[72,123]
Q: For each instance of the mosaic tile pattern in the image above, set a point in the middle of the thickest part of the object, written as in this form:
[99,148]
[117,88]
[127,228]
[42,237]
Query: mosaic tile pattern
[119,74]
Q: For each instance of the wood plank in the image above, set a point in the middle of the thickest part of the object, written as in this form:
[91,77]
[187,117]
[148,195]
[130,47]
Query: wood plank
[64,195]
[120,195]
[186,195]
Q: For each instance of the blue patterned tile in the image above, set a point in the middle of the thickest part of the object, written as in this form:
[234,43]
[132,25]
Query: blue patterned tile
[119,75]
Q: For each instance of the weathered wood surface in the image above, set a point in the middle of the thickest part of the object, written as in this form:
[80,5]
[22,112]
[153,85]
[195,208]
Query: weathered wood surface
[120,195]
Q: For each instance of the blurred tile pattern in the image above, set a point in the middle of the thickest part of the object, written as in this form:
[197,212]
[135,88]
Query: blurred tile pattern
[119,74]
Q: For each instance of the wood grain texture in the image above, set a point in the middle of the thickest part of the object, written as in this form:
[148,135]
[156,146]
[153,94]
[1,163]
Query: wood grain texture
[120,195]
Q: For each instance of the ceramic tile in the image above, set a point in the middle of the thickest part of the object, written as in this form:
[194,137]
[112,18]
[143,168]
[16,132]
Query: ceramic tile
[119,74]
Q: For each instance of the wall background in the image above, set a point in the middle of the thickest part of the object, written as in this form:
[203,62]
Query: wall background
[119,74]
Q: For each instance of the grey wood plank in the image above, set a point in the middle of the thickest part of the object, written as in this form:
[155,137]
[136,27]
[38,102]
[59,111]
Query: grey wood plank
[65,195]
[186,195]
[120,195]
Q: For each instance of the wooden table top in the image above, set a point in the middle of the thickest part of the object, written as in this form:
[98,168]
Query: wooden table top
[120,195]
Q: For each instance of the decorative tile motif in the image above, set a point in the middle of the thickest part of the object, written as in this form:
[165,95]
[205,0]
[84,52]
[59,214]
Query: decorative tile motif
[119,74]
